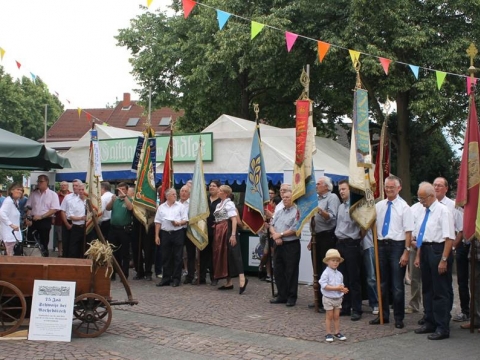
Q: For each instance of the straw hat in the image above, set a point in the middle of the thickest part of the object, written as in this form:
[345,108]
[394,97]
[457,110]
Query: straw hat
[332,254]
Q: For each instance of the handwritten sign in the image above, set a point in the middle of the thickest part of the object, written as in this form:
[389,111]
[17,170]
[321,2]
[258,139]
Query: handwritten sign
[52,311]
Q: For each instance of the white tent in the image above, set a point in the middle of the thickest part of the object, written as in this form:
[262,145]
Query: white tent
[232,140]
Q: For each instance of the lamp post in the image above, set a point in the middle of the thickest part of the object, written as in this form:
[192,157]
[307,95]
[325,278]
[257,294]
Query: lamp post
[45,126]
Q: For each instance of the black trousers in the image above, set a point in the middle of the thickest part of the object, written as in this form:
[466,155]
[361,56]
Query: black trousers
[437,289]
[172,254]
[143,249]
[463,271]
[206,260]
[66,235]
[351,250]
[121,239]
[287,261]
[75,246]
[324,241]
[43,229]
[191,254]
[105,228]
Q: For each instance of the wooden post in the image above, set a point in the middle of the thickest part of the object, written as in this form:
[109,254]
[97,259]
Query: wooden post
[377,271]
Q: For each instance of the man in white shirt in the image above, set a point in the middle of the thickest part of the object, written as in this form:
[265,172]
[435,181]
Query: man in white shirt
[106,196]
[75,211]
[170,218]
[67,223]
[394,231]
[435,233]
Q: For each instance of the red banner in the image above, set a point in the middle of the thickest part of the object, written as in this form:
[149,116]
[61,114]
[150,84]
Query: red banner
[303,108]
[382,162]
[167,178]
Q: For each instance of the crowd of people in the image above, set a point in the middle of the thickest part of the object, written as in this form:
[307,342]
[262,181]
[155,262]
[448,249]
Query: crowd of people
[423,238]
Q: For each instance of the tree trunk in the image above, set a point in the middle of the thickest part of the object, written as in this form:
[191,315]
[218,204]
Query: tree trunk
[403,155]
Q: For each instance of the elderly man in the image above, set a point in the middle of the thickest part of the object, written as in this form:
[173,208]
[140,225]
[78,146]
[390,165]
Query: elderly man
[287,252]
[41,205]
[58,222]
[349,244]
[325,221]
[67,223]
[435,233]
[394,229]
[190,248]
[75,212]
[170,218]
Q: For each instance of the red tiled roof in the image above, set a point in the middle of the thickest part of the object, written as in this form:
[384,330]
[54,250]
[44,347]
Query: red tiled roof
[69,127]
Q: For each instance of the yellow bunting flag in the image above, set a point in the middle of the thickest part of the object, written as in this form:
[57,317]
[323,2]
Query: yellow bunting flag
[322,49]
[149,2]
[2,53]
[79,112]
[355,55]
[255,29]
[440,78]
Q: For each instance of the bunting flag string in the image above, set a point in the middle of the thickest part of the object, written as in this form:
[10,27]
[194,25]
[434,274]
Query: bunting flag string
[323,47]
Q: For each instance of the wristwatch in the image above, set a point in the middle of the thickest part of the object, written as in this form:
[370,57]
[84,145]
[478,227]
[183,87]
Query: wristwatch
[444,258]
[408,248]
[281,234]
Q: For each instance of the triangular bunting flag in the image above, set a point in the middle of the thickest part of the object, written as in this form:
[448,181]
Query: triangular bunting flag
[34,77]
[79,112]
[355,55]
[222,17]
[414,69]
[290,38]
[440,78]
[385,64]
[89,117]
[469,84]
[149,2]
[322,49]
[56,94]
[18,64]
[188,6]
[2,53]
[255,29]
[68,101]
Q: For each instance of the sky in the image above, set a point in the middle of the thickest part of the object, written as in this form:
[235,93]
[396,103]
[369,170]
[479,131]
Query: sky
[70,44]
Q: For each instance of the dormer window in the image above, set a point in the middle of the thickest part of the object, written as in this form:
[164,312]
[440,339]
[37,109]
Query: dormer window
[132,122]
[165,121]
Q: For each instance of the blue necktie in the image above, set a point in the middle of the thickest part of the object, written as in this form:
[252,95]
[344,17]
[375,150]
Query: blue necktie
[386,222]
[422,228]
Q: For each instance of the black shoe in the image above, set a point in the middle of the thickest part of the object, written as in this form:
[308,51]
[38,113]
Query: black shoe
[399,324]
[223,287]
[424,330]
[376,321]
[202,281]
[290,303]
[136,277]
[242,288]
[187,281]
[176,283]
[163,283]
[438,336]
[277,300]
[214,283]
[421,321]
[148,277]
[356,316]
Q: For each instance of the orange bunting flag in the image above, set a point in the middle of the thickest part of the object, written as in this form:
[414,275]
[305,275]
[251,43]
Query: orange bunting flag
[2,53]
[322,49]
[79,112]
[149,2]
[355,55]
[89,117]
[188,6]
[440,78]
[255,29]
[290,38]
[18,64]
[385,64]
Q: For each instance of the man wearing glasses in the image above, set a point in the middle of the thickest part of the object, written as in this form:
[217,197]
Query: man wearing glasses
[42,204]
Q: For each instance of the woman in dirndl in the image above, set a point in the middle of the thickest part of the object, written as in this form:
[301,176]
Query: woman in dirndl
[227,256]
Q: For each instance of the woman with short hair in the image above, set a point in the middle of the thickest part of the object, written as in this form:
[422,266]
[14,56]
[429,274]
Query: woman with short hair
[10,218]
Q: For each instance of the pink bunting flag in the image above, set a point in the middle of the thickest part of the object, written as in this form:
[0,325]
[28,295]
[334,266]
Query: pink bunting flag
[18,64]
[290,38]
[385,64]
[188,6]
[469,84]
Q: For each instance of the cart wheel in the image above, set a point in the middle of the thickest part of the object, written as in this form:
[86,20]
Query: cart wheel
[92,315]
[12,308]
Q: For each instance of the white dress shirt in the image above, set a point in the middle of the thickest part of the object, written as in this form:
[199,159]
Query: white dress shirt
[106,214]
[166,214]
[74,206]
[401,219]
[439,224]
[456,212]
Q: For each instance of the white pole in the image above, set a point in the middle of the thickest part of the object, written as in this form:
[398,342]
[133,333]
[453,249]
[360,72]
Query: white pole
[45,126]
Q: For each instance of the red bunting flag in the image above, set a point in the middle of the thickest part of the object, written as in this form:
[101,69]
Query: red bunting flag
[18,64]
[385,64]
[89,117]
[188,6]
[322,49]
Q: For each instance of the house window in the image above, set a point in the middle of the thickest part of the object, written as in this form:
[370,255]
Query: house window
[126,108]
[165,121]
[132,122]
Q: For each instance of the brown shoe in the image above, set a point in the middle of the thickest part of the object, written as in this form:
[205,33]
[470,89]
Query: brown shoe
[467,326]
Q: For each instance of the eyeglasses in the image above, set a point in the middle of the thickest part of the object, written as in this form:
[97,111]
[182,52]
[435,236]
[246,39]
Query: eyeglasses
[39,181]
[422,199]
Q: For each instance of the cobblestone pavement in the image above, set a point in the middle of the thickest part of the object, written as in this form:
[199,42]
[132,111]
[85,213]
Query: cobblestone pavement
[200,322]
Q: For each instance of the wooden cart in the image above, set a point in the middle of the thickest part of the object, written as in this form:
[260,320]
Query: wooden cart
[92,310]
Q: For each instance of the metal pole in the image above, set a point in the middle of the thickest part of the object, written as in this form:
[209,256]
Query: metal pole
[45,126]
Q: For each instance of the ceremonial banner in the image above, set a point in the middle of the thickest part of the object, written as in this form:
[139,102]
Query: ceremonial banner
[138,151]
[198,210]
[469,177]
[256,193]
[382,163]
[361,179]
[307,204]
[93,179]
[167,178]
[145,199]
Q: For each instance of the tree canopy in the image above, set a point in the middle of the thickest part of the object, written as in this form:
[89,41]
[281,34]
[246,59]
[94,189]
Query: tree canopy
[192,65]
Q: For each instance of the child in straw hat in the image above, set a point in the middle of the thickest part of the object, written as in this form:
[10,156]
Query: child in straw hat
[331,285]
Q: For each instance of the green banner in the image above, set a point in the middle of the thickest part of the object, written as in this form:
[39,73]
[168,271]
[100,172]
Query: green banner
[361,125]
[185,148]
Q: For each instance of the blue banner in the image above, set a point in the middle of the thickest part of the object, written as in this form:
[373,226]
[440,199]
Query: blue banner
[138,151]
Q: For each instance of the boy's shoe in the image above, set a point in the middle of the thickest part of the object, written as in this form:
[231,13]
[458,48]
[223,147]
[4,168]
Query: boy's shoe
[329,338]
[340,337]
[375,310]
[461,317]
